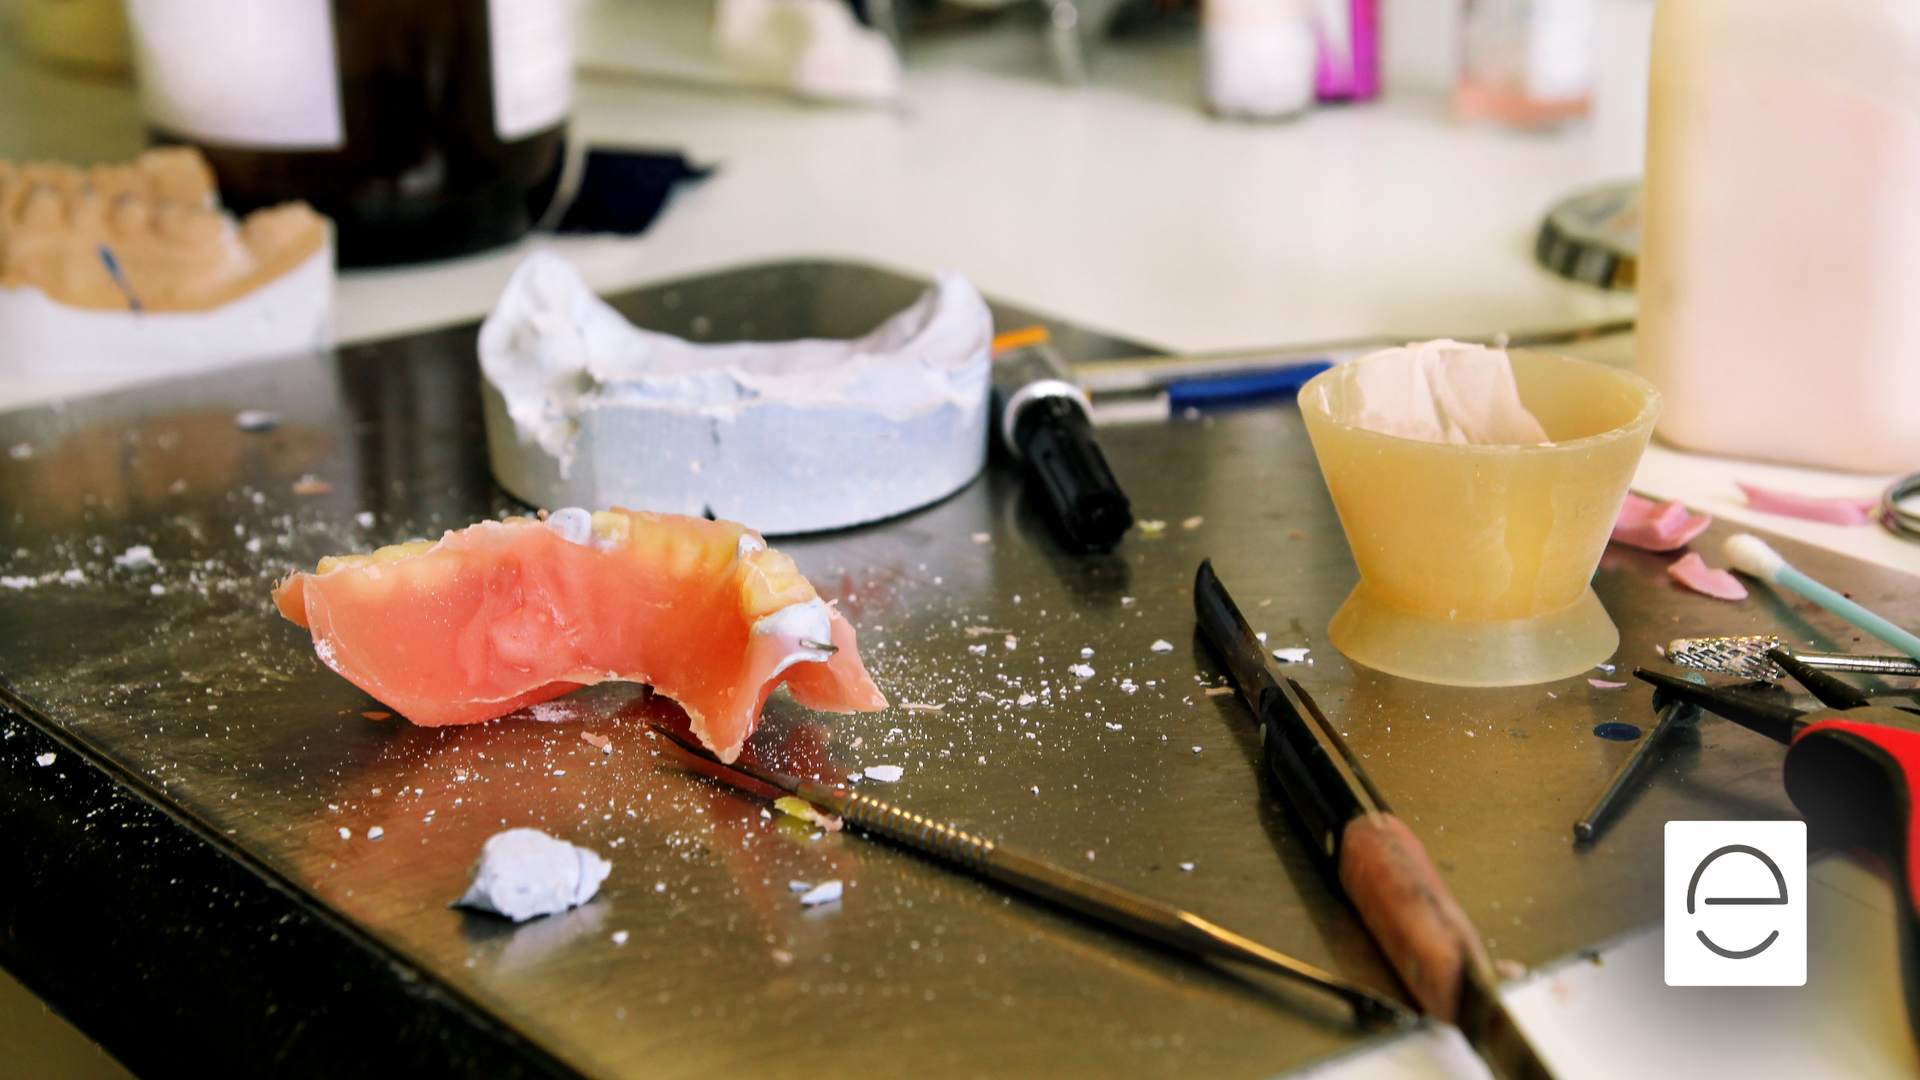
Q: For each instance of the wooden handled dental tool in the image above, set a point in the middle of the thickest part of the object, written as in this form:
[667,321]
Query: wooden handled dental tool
[1367,853]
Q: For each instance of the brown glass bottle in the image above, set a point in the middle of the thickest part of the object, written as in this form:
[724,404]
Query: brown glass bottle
[423,172]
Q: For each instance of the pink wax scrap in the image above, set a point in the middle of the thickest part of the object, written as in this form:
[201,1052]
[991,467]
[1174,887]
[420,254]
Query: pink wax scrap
[1693,572]
[1834,510]
[1653,526]
[1602,684]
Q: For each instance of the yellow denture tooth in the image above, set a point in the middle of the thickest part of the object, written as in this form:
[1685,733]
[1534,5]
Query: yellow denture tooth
[611,528]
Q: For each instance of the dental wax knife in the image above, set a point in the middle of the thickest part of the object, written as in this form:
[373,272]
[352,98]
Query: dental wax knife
[1366,852]
[1851,773]
[1164,923]
[1044,420]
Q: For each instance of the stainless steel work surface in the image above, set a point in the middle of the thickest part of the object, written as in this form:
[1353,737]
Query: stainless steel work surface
[697,956]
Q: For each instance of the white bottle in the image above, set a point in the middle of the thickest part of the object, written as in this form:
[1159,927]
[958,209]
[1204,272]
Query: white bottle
[1258,56]
[1780,261]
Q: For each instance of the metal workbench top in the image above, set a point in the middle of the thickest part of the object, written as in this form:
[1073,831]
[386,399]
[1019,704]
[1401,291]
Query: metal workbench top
[192,878]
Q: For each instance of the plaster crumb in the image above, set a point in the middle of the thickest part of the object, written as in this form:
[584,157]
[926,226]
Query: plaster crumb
[977,650]
[137,557]
[1127,601]
[1152,527]
[524,872]
[1216,691]
[1291,656]
[782,957]
[827,892]
[17,582]
[921,706]
[255,421]
[1196,749]
[376,833]
[1186,866]
[619,937]
[1082,671]
[1086,653]
[1025,700]
[157,589]
[1192,522]
[45,759]
[1161,645]
[886,774]
[346,834]
[799,886]
[364,519]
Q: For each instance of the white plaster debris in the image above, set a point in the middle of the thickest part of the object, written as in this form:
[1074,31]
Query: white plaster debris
[799,886]
[11,582]
[137,557]
[1440,391]
[1192,522]
[1291,656]
[45,759]
[524,872]
[1024,700]
[1186,866]
[827,892]
[20,451]
[1082,671]
[1161,645]
[886,774]
[255,421]
[583,408]
[977,650]
[1262,635]
[72,577]
[1196,749]
[1086,652]
[376,833]
[364,519]
[346,834]
[619,937]
[157,589]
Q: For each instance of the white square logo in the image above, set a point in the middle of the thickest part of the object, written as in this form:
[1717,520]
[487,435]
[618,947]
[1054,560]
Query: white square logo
[1736,903]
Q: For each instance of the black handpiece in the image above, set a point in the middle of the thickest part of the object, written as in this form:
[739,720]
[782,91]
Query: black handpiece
[1042,418]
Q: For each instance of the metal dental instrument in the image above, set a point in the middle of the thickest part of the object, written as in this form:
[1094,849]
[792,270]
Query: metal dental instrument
[1747,657]
[1367,854]
[1671,713]
[1164,923]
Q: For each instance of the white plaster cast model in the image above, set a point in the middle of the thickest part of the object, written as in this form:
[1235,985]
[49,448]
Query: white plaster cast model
[524,872]
[585,409]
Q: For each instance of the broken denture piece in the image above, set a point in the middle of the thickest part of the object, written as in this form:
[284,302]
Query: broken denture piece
[506,614]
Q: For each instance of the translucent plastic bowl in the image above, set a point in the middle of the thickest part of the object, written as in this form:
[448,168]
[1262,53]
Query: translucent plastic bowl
[1476,562]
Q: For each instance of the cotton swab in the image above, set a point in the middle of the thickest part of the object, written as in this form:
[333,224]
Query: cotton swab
[1750,555]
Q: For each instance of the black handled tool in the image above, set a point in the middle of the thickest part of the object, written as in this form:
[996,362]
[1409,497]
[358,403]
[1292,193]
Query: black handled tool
[1851,772]
[1671,713]
[1044,420]
[1116,907]
[1367,853]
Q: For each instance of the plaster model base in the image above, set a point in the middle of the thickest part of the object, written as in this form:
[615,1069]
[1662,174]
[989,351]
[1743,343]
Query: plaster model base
[585,409]
[289,315]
